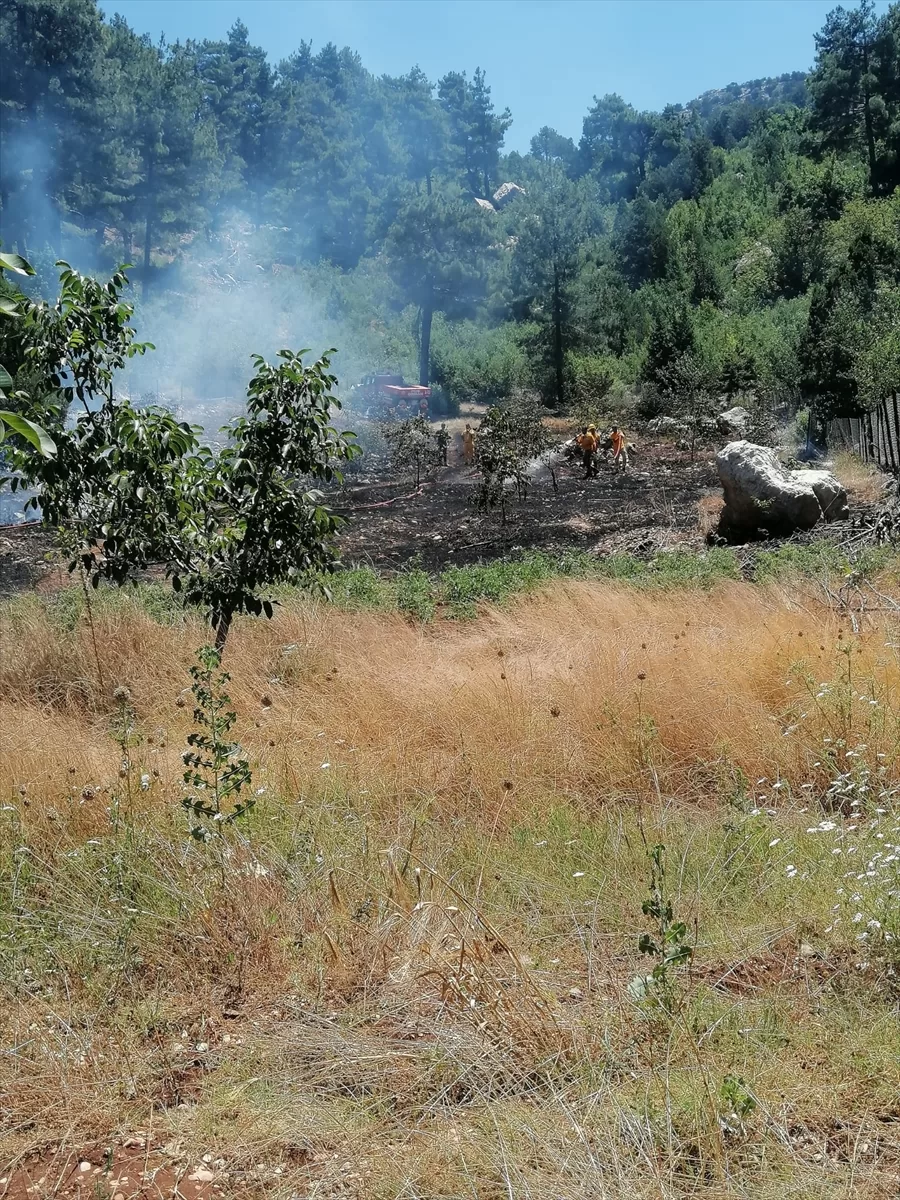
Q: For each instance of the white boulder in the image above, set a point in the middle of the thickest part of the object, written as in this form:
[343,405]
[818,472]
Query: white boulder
[734,422]
[760,493]
[666,425]
[829,492]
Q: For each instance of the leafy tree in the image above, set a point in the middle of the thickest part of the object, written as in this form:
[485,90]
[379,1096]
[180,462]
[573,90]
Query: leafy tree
[133,487]
[510,437]
[248,518]
[437,251]
[412,444]
[545,264]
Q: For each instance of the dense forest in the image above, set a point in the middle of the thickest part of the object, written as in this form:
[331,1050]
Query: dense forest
[746,243]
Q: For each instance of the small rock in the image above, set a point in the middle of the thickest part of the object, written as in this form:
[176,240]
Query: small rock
[201,1175]
[576,993]
[84,1167]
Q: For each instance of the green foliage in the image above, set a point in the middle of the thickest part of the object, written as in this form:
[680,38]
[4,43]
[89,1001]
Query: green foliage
[763,214]
[666,943]
[671,366]
[510,436]
[132,487]
[437,249]
[215,774]
[736,1103]
[415,594]
[15,422]
[550,229]
[853,88]
[413,446]
[247,517]
[592,377]
[476,363]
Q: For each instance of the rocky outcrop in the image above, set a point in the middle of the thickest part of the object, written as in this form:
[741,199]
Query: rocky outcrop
[668,426]
[506,192]
[734,422]
[761,494]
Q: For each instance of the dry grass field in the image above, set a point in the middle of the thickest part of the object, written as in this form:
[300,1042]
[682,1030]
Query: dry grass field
[410,971]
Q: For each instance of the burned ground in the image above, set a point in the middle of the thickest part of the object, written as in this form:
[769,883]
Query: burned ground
[655,504]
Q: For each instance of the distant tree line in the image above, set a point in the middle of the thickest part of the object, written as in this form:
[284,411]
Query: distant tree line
[748,242]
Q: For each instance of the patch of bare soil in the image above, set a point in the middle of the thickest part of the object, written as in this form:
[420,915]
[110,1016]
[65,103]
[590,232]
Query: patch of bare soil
[132,1170]
[29,560]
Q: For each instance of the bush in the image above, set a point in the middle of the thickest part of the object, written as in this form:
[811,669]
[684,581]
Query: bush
[591,377]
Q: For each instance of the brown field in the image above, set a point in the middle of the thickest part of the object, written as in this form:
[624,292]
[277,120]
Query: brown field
[407,974]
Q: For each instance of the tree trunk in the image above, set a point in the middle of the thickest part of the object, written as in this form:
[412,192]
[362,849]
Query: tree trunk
[867,116]
[870,139]
[557,338]
[222,628]
[425,342]
[148,232]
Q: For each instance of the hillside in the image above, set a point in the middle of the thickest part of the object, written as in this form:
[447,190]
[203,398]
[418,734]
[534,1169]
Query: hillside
[309,200]
[787,89]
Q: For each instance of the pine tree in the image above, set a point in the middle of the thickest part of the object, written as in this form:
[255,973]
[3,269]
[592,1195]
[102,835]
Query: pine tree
[476,130]
[853,62]
[437,251]
[549,230]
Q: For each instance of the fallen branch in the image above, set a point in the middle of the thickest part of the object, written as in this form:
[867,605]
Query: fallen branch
[382,503]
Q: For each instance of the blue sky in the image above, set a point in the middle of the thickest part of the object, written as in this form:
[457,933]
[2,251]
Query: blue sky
[545,59]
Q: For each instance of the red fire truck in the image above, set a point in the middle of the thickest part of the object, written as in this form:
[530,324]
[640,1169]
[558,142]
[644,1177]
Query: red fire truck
[387,398]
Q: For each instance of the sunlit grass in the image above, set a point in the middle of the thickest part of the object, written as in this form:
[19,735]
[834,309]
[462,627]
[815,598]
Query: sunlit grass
[410,966]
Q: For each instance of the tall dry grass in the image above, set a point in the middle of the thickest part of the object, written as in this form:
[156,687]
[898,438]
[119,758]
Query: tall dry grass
[593,692]
[408,976]
[863,481]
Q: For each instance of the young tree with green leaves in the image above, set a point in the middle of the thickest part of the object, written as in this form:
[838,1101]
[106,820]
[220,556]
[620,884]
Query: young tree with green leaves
[511,436]
[130,488]
[413,445]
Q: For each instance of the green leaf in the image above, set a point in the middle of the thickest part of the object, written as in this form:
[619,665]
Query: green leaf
[6,380]
[32,433]
[15,262]
[8,308]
